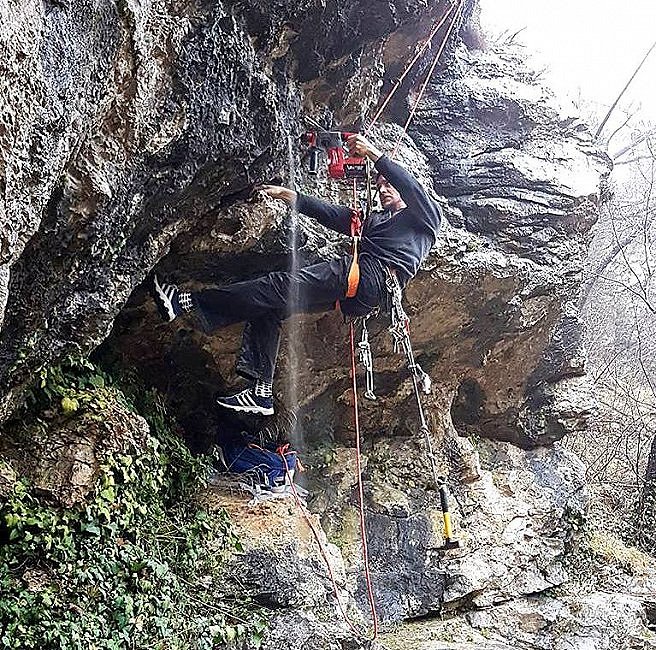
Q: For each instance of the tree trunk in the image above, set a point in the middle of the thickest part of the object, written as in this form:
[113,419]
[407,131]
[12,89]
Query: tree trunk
[646,533]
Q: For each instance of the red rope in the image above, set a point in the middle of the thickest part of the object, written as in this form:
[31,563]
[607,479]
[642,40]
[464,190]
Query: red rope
[427,79]
[363,531]
[324,555]
[398,82]
[363,528]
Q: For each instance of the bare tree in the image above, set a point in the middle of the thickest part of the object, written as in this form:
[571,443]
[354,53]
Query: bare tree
[646,524]
[600,128]
[619,307]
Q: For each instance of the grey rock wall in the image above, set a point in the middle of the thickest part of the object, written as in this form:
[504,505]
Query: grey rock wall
[132,137]
[128,123]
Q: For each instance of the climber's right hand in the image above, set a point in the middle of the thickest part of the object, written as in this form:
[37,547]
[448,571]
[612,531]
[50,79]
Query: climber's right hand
[280,193]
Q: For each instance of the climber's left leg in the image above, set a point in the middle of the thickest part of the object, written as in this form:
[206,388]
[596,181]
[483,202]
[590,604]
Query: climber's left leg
[257,359]
[257,362]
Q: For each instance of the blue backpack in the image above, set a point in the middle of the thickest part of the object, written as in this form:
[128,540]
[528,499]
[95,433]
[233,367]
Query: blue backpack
[264,465]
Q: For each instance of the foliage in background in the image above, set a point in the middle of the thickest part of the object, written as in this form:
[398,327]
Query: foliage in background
[140,564]
[618,304]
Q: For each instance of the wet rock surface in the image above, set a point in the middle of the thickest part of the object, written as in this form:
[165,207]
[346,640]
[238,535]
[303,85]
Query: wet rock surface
[145,121]
[134,135]
[513,523]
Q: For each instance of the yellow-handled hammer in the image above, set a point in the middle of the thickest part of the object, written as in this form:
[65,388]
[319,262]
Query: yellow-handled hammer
[449,541]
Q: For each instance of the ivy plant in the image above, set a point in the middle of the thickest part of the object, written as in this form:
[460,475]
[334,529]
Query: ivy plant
[141,563]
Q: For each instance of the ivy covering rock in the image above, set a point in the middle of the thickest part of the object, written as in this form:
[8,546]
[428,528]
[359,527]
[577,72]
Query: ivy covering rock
[104,542]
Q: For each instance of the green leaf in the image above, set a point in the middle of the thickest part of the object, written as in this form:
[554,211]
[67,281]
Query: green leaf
[108,494]
[97,381]
[90,528]
[11,519]
[69,405]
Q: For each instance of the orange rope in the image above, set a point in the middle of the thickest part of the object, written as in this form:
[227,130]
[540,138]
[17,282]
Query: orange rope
[398,82]
[427,79]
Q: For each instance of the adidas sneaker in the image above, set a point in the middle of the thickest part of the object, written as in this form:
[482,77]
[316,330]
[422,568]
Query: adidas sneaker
[247,402]
[167,299]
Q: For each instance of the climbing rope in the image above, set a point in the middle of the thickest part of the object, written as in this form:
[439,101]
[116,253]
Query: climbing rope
[400,338]
[399,318]
[352,284]
[358,455]
[400,329]
[416,57]
[324,554]
[429,74]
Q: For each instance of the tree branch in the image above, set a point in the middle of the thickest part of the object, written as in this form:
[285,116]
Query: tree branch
[628,83]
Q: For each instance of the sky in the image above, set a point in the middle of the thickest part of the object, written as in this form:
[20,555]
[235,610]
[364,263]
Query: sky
[591,47]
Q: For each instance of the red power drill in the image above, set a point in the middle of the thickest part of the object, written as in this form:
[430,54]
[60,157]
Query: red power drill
[340,164]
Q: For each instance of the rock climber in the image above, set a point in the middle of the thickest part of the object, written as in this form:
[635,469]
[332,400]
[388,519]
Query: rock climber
[398,237]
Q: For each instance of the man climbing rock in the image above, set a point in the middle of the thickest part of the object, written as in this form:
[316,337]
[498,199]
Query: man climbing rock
[397,238]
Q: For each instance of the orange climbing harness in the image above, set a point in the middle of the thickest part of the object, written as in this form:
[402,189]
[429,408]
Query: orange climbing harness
[353,279]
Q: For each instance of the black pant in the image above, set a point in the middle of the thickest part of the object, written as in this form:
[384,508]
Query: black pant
[266,301]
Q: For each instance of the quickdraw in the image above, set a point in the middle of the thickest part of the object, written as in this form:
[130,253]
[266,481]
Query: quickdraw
[400,331]
[366,359]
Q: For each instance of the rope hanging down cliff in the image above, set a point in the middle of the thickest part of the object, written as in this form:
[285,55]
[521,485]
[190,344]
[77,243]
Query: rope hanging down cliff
[353,168]
[456,10]
[398,244]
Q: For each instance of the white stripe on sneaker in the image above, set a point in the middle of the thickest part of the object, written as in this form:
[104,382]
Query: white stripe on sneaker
[246,402]
[165,294]
[245,399]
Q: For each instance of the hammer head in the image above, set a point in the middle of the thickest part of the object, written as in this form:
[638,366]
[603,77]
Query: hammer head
[450,544]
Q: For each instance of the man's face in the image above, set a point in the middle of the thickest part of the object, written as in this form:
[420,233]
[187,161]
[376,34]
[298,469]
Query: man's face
[389,197]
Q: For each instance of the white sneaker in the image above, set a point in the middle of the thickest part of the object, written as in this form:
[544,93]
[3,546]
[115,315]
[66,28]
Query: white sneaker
[167,300]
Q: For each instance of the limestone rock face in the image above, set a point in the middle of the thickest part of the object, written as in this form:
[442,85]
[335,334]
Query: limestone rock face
[184,110]
[128,123]
[525,177]
[62,459]
[513,524]
[598,620]
[133,135]
[282,567]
